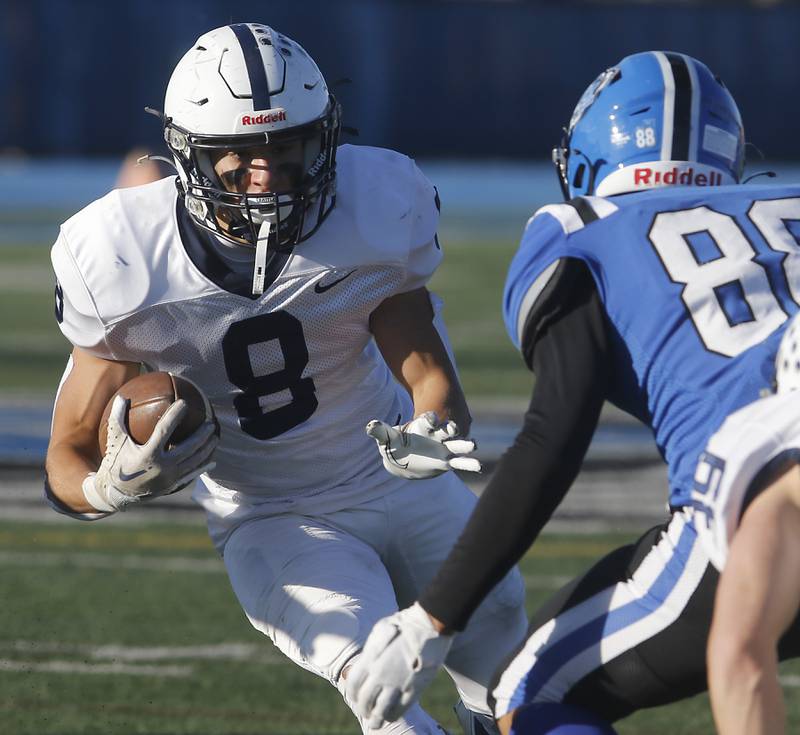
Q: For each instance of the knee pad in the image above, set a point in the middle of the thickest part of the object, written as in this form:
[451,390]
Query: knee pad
[550,718]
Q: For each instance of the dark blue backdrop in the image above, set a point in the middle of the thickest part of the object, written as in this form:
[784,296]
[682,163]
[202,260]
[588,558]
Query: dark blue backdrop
[432,78]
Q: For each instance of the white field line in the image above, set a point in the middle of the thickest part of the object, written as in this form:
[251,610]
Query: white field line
[212,652]
[790,681]
[77,667]
[92,560]
[114,652]
[129,660]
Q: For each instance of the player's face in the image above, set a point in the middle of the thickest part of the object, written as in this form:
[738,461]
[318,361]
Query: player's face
[274,168]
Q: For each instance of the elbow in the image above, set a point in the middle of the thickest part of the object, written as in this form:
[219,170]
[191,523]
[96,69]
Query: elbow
[53,501]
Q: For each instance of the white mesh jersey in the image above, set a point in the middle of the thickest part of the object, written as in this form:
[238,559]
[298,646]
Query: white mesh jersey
[293,375]
[753,446]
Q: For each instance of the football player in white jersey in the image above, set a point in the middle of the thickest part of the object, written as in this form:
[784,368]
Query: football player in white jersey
[285,275]
[747,499]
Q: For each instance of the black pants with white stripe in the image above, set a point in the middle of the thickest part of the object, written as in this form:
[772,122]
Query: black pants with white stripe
[628,634]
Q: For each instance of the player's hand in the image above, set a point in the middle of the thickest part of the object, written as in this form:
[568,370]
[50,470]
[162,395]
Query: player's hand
[130,472]
[400,658]
[423,447]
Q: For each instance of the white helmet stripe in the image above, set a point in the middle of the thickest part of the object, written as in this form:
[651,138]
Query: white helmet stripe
[669,105]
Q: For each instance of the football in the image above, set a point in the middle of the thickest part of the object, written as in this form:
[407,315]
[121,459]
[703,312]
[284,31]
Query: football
[150,395]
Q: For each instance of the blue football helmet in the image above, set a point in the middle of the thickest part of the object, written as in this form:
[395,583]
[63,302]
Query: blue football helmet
[655,119]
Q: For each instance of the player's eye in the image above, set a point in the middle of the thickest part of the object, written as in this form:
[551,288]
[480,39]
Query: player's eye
[234,179]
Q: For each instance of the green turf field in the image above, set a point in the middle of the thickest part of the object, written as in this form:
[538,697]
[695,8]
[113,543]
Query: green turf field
[109,628]
[33,352]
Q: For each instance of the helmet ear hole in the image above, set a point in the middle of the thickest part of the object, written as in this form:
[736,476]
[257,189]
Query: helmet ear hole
[577,180]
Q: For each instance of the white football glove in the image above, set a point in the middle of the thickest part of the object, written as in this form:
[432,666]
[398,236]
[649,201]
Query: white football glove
[400,658]
[422,448]
[130,472]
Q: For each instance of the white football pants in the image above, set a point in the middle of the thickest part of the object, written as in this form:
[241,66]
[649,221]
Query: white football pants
[316,584]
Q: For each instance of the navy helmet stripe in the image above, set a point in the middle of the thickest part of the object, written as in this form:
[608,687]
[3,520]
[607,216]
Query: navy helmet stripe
[682,125]
[259,85]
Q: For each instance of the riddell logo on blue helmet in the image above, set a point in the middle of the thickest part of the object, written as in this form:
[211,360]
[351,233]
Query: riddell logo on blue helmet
[648,176]
[656,174]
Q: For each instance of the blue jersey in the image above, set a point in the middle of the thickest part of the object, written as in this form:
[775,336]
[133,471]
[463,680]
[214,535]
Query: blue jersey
[697,284]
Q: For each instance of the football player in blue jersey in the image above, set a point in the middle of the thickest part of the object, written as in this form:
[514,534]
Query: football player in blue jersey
[662,285]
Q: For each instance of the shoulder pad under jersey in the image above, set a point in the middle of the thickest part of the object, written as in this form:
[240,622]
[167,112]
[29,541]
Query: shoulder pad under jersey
[120,254]
[544,242]
[390,209]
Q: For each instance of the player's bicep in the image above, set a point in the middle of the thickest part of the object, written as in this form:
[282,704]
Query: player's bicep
[565,288]
[404,331]
[425,252]
[87,385]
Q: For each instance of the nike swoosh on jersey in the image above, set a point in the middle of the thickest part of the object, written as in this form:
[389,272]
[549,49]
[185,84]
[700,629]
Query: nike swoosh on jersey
[319,288]
[133,476]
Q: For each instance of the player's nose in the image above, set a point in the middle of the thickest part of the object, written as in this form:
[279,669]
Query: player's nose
[260,177]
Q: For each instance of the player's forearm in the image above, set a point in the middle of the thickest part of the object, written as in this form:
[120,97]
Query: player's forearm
[571,364]
[439,392]
[66,468]
[746,697]
[757,599]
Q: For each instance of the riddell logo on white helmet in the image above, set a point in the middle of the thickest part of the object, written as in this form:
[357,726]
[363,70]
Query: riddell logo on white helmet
[654,174]
[264,118]
[646,176]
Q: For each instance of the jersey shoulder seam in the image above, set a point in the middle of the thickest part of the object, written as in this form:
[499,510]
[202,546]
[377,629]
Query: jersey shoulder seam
[578,212]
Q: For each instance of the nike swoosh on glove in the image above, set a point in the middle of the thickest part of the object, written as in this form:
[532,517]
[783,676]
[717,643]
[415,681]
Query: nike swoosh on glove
[130,473]
[400,658]
[422,448]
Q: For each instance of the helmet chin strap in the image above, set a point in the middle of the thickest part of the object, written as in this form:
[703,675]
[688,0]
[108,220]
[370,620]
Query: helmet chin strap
[260,264]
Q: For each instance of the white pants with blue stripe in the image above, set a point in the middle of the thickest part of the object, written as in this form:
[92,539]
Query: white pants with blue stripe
[651,591]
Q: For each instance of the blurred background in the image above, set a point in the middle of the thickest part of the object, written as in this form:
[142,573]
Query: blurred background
[454,79]
[477,91]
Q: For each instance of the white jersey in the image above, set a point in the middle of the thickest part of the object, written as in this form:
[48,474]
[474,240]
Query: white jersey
[293,374]
[752,446]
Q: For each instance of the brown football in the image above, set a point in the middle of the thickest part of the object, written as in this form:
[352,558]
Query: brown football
[150,395]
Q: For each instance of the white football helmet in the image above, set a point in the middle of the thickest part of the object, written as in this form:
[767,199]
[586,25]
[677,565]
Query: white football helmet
[787,361]
[247,86]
